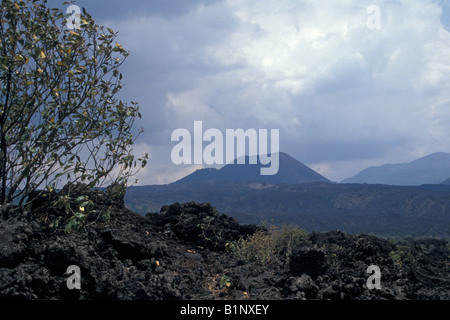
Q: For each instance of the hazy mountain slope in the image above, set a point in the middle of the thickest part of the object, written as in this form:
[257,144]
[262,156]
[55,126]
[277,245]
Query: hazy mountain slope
[355,208]
[432,169]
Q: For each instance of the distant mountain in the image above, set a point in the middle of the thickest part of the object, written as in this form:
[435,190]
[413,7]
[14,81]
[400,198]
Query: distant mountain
[431,169]
[298,195]
[290,171]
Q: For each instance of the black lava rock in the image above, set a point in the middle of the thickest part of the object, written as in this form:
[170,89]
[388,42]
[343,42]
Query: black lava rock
[182,253]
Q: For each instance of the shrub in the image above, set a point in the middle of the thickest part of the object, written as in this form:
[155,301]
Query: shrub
[258,248]
[268,247]
[289,240]
[60,119]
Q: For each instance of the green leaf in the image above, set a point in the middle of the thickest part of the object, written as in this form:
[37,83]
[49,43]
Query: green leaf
[69,226]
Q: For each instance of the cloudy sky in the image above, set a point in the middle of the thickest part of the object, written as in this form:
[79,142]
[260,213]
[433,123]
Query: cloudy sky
[344,96]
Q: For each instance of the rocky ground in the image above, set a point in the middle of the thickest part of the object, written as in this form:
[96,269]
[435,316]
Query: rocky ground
[190,251]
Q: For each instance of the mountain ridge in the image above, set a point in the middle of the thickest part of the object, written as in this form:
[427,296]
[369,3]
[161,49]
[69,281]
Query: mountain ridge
[381,208]
[431,169]
[290,171]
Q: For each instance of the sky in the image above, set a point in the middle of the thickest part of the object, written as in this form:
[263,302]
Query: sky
[348,88]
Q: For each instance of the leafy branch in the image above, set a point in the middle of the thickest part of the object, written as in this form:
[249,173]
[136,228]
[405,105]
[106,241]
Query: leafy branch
[60,119]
